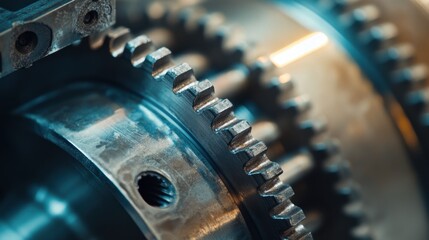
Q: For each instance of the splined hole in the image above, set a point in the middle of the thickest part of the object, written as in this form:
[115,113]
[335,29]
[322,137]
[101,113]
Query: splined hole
[155,189]
[90,18]
[26,42]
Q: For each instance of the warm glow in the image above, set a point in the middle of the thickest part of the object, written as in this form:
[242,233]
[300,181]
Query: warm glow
[299,49]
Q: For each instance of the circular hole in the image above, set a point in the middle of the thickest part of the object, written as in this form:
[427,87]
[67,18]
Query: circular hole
[26,42]
[90,18]
[156,190]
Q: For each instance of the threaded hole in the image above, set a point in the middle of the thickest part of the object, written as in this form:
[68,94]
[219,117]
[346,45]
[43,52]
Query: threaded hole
[90,18]
[156,190]
[26,42]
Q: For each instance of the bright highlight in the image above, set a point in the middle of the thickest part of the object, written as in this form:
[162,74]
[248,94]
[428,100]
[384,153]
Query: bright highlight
[299,49]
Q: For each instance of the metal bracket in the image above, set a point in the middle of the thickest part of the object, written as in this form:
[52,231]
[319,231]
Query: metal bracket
[45,26]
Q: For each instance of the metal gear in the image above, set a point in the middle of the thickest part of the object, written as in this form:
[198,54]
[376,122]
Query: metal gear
[171,152]
[195,102]
[339,193]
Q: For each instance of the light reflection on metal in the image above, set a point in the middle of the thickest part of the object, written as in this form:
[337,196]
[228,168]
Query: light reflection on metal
[299,49]
[404,125]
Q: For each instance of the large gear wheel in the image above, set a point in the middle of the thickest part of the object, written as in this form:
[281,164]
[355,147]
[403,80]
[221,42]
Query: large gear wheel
[332,94]
[199,115]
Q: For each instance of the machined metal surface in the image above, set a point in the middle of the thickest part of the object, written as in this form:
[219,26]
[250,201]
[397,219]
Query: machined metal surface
[334,94]
[33,29]
[124,138]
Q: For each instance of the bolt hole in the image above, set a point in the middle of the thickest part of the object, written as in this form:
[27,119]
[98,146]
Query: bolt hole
[90,18]
[156,190]
[26,42]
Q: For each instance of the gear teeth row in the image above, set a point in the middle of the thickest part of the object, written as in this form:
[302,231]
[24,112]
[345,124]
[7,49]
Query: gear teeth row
[406,75]
[236,133]
[209,25]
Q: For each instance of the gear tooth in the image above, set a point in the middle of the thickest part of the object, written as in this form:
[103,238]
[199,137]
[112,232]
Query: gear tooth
[297,233]
[158,61]
[424,119]
[289,212]
[182,77]
[354,210]
[116,39]
[410,75]
[203,93]
[347,189]
[396,54]
[362,232]
[209,23]
[376,35]
[229,38]
[276,188]
[96,40]
[336,167]
[262,165]
[156,11]
[283,82]
[363,15]
[297,105]
[137,49]
[249,146]
[221,112]
[342,4]
[189,18]
[191,22]
[325,150]
[312,127]
[418,99]
[236,132]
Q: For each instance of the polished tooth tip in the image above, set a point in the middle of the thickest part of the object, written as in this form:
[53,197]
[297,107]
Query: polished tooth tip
[396,54]
[354,210]
[96,40]
[221,112]
[325,150]
[283,82]
[209,23]
[202,92]
[297,105]
[237,133]
[362,232]
[341,5]
[189,18]
[379,34]
[262,165]
[137,49]
[297,233]
[424,119]
[182,77]
[312,127]
[158,61]
[418,99]
[411,75]
[347,188]
[156,11]
[276,188]
[289,212]
[252,148]
[363,15]
[117,39]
